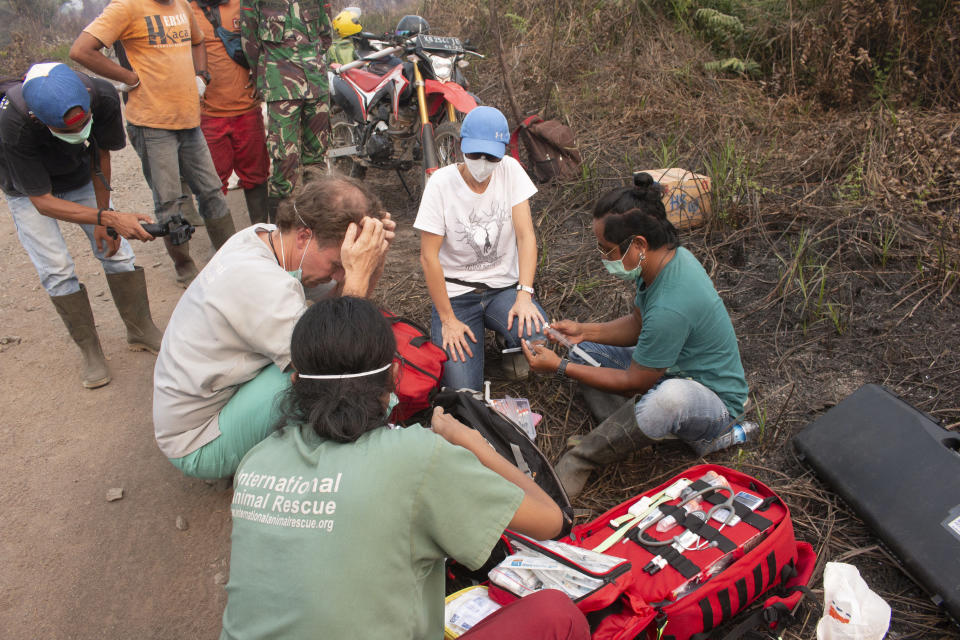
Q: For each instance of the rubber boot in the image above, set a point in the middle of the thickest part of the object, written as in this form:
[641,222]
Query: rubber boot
[129,290]
[220,229]
[75,311]
[256,198]
[182,262]
[602,404]
[513,366]
[273,203]
[611,441]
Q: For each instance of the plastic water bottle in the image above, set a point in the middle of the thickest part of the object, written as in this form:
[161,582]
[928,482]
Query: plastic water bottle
[737,434]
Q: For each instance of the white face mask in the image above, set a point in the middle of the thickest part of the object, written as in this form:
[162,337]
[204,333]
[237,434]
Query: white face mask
[75,138]
[481,169]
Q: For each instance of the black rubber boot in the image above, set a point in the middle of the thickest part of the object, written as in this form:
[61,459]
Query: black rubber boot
[75,311]
[129,290]
[185,266]
[220,229]
[256,203]
[273,203]
[611,441]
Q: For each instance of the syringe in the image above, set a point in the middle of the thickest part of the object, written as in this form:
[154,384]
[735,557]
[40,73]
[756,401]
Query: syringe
[574,348]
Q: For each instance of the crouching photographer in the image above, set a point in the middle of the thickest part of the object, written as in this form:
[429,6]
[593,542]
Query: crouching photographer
[57,129]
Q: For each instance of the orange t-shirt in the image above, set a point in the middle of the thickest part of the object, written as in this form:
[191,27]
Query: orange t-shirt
[157,37]
[229,91]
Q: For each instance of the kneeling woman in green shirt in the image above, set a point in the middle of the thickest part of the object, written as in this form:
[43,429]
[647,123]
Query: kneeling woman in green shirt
[676,353]
[341,526]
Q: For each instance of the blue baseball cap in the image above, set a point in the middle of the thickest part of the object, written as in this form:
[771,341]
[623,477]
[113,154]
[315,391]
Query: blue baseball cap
[50,89]
[485,130]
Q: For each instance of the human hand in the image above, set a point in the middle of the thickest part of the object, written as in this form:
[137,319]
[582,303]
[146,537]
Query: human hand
[128,224]
[569,329]
[528,316]
[450,429]
[455,343]
[134,82]
[541,359]
[107,244]
[363,249]
[389,226]
[201,86]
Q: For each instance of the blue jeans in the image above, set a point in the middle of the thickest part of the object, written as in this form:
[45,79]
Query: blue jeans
[673,407]
[41,238]
[167,154]
[479,311]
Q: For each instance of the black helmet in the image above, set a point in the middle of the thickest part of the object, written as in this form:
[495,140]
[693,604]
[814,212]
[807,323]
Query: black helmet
[412,25]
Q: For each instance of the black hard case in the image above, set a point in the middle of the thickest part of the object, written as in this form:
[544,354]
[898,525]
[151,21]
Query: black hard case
[900,471]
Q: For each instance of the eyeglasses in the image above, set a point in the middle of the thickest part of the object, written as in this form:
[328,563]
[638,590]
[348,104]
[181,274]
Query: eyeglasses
[623,246]
[486,156]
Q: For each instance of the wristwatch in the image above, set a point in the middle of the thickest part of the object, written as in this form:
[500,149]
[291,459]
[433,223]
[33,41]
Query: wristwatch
[562,368]
[521,287]
[205,75]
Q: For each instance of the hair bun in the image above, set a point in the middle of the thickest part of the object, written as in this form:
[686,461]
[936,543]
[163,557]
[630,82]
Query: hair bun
[642,180]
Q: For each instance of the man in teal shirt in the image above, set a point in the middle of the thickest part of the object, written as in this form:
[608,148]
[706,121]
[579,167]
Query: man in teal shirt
[676,353]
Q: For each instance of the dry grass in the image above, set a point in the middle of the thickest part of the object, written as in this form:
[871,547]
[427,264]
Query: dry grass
[835,245]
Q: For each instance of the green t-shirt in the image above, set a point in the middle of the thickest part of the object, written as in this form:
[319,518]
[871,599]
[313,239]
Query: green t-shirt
[338,540]
[687,331]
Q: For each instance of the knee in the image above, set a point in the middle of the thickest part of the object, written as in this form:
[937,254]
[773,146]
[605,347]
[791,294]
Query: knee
[669,398]
[559,616]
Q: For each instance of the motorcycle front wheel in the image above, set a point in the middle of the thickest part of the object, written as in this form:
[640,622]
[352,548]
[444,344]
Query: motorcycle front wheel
[446,140]
[345,133]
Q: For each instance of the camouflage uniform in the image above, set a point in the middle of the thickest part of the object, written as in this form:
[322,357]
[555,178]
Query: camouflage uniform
[285,42]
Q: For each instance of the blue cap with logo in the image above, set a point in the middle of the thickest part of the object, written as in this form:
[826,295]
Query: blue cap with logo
[485,130]
[51,89]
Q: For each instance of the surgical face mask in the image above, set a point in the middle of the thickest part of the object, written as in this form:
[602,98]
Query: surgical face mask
[75,138]
[391,403]
[296,274]
[481,169]
[617,270]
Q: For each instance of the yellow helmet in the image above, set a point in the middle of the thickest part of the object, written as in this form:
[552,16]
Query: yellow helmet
[347,22]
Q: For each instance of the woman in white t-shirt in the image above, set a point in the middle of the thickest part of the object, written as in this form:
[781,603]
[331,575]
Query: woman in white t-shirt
[479,251]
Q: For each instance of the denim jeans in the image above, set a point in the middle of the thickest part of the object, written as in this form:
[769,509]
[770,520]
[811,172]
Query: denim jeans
[167,154]
[479,311]
[673,407]
[41,238]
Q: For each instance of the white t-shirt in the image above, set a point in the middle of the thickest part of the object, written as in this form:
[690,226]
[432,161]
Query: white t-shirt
[236,317]
[479,241]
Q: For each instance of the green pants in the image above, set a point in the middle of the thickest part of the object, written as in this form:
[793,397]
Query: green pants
[249,417]
[297,132]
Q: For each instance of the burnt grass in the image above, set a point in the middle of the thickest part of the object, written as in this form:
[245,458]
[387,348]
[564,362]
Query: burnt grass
[897,328]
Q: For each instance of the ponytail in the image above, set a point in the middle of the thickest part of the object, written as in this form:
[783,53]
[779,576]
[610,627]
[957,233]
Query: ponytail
[637,211]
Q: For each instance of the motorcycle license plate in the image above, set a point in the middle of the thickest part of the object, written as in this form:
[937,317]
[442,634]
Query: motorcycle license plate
[440,43]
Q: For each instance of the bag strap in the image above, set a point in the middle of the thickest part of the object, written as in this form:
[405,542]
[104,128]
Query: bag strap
[514,145]
[213,15]
[392,319]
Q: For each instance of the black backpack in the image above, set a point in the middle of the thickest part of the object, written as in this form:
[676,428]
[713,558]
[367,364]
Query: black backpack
[509,440]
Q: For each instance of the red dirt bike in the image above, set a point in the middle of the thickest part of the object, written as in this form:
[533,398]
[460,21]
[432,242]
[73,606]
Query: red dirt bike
[394,113]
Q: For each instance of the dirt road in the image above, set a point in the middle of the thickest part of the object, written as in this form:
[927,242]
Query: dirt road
[73,564]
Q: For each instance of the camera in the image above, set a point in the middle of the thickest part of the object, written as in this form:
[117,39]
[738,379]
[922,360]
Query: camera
[176,227]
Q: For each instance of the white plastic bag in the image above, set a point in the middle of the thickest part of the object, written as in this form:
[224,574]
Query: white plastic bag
[851,611]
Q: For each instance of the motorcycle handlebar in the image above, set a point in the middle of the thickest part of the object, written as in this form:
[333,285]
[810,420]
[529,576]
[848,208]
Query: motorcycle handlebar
[383,53]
